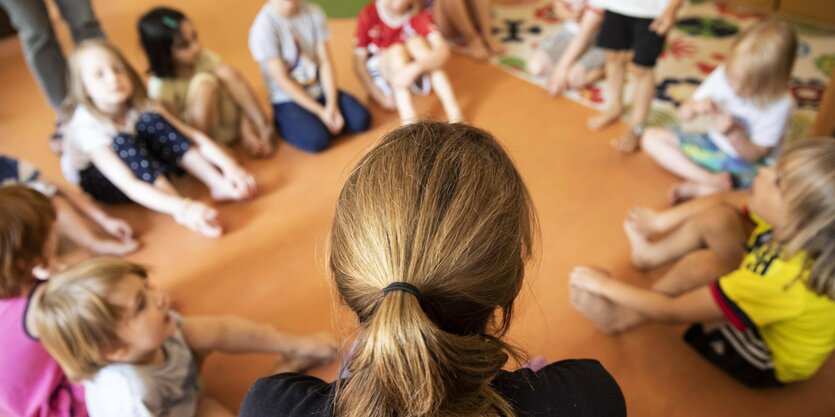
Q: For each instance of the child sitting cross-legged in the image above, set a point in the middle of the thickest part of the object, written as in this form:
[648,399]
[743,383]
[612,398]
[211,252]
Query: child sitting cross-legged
[773,295]
[108,327]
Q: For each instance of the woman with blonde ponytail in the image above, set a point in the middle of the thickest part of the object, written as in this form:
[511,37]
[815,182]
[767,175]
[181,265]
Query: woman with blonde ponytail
[431,235]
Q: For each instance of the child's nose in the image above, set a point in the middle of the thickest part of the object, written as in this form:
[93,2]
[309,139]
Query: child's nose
[163,300]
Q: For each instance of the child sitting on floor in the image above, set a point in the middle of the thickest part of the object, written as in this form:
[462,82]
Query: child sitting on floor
[108,327]
[397,45]
[289,39]
[749,105]
[569,55]
[119,147]
[194,84]
[776,293]
[32,383]
[471,20]
[74,212]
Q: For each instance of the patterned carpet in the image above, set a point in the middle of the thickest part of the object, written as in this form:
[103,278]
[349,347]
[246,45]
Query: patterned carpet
[698,43]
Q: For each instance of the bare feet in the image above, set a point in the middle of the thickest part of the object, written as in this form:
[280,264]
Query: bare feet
[199,218]
[628,142]
[640,246]
[609,116]
[477,49]
[312,351]
[237,185]
[646,221]
[596,308]
[257,146]
[689,189]
[496,47]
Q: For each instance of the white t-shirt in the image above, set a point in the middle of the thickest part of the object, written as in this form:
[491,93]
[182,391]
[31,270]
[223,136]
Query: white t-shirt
[169,389]
[645,9]
[84,134]
[765,126]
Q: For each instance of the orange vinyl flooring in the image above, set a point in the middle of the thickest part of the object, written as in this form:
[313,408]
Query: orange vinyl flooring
[270,264]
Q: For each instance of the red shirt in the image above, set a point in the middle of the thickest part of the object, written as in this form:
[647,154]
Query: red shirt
[376,30]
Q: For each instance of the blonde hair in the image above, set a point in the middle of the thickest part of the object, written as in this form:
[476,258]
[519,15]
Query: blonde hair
[441,207]
[77,95]
[26,220]
[74,319]
[807,177]
[766,52]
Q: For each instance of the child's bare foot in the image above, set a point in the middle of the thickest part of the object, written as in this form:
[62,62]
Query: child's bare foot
[476,49]
[496,47]
[113,247]
[628,142]
[257,146]
[237,185]
[640,247]
[199,218]
[609,116]
[596,308]
[310,352]
[646,221]
[689,189]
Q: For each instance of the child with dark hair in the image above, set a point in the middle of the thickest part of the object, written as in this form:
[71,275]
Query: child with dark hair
[196,85]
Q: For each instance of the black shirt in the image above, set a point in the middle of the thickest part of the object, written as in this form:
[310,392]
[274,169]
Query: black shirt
[569,388]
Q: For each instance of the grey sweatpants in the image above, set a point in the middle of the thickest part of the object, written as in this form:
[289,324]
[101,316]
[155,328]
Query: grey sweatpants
[40,47]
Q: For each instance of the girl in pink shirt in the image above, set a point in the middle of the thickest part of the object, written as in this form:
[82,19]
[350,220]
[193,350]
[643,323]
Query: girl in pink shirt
[31,382]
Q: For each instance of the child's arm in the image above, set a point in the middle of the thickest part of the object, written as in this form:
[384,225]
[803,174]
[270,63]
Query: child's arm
[243,94]
[233,334]
[278,73]
[668,219]
[745,148]
[191,214]
[360,69]
[694,306]
[589,24]
[327,76]
[437,56]
[663,23]
[115,227]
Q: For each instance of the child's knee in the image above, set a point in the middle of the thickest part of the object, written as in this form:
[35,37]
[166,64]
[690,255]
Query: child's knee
[417,47]
[641,71]
[617,57]
[655,136]
[538,64]
[718,219]
[226,71]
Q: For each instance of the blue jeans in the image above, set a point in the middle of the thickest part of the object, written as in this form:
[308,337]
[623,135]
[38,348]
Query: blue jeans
[306,131]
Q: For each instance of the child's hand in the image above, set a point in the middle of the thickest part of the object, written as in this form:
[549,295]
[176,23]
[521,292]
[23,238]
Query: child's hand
[332,118]
[308,352]
[407,76]
[200,218]
[695,108]
[558,81]
[589,279]
[242,182]
[663,23]
[723,122]
[117,228]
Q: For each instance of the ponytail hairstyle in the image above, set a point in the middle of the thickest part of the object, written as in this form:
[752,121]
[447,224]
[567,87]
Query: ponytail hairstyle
[807,179]
[159,29]
[439,207]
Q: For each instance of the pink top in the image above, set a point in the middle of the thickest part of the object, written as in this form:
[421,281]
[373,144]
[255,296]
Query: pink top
[31,382]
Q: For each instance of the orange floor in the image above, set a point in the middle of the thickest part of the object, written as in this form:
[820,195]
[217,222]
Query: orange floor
[270,264]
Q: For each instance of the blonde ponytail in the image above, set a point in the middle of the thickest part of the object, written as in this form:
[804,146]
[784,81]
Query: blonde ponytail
[441,208]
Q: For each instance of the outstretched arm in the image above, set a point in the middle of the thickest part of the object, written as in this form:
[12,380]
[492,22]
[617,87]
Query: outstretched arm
[233,334]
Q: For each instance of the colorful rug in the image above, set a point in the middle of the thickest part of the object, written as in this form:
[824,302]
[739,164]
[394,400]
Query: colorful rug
[698,44]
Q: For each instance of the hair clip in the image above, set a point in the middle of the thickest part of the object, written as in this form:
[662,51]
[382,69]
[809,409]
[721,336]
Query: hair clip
[170,22]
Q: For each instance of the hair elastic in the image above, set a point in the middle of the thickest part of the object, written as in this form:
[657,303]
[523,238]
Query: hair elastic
[171,22]
[402,286]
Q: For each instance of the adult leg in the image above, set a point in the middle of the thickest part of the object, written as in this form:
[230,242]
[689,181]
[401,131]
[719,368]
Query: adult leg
[644,92]
[81,19]
[300,127]
[418,48]
[40,47]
